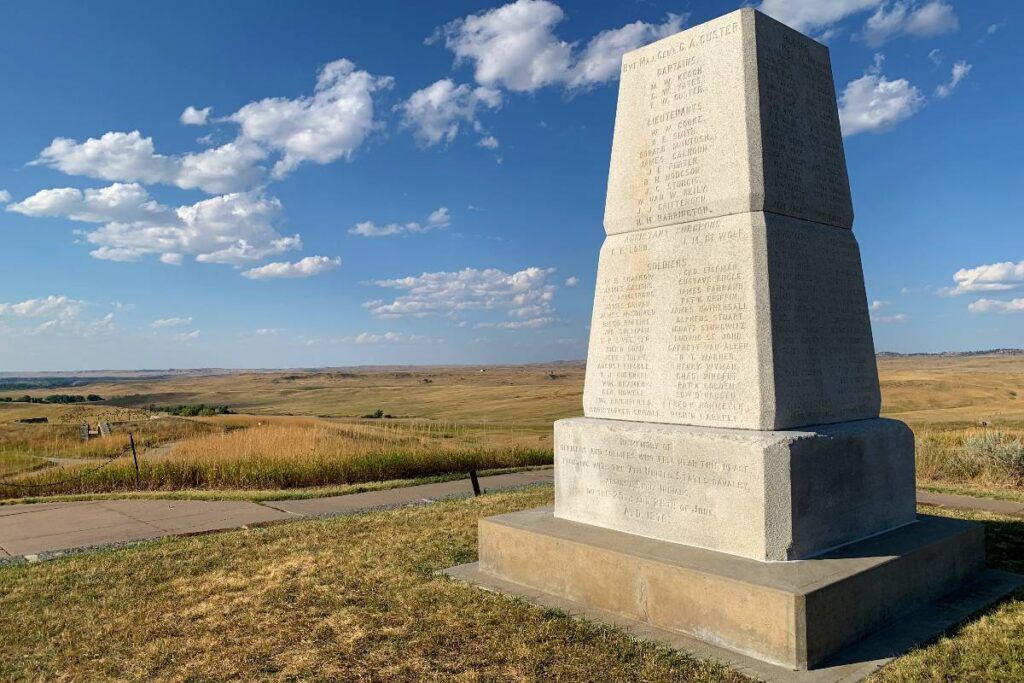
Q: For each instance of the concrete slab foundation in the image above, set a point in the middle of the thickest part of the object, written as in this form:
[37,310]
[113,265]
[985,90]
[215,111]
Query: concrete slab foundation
[794,615]
[852,664]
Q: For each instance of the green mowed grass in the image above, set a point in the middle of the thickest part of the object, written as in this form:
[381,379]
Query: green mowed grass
[357,598]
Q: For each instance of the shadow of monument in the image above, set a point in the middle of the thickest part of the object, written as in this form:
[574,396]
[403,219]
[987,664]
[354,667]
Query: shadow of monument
[952,614]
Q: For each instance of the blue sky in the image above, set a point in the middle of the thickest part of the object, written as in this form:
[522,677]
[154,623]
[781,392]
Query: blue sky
[264,184]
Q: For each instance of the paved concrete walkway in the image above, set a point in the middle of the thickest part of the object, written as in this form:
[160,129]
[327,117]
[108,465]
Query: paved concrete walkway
[51,528]
[37,529]
[950,500]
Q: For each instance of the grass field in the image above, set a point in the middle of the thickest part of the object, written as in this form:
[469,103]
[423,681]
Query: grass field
[357,598]
[247,452]
[961,390]
[528,395]
[303,429]
[915,389]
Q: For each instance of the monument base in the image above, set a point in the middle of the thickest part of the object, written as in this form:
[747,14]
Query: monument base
[765,495]
[791,614]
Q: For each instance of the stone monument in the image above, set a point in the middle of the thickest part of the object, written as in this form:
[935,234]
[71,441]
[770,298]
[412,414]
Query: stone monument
[731,480]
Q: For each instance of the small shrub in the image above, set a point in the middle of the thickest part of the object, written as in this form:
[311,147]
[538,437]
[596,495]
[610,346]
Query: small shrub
[999,452]
[192,410]
[986,457]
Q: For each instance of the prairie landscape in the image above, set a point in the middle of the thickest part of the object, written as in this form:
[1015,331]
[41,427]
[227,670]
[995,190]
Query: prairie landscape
[312,431]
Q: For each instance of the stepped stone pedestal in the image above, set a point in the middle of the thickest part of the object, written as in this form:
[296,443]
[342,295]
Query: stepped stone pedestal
[731,484]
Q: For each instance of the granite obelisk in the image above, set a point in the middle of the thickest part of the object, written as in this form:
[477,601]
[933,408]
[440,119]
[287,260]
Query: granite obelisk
[731,480]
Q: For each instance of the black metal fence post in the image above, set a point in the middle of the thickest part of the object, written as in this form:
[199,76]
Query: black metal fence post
[135,457]
[475,482]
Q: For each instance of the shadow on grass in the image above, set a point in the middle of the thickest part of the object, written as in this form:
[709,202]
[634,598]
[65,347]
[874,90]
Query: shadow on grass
[1004,543]
[969,648]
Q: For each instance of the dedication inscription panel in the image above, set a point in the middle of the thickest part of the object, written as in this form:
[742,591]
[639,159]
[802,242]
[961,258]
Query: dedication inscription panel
[703,489]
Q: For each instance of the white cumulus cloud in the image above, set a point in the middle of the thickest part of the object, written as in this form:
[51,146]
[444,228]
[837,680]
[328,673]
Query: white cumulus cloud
[488,142]
[989,277]
[960,71]
[129,157]
[889,319]
[232,167]
[439,218]
[906,17]
[59,306]
[873,103]
[330,124]
[372,339]
[810,15]
[515,47]
[170,322]
[997,306]
[307,267]
[436,113]
[512,46]
[187,336]
[113,156]
[5,196]
[601,58]
[195,117]
[527,291]
[59,315]
[234,229]
[120,202]
[531,323]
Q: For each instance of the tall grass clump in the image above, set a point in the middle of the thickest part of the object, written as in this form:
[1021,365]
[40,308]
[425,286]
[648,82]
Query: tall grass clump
[986,457]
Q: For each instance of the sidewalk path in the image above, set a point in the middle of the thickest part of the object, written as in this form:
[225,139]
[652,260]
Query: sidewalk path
[49,528]
[950,500]
[37,529]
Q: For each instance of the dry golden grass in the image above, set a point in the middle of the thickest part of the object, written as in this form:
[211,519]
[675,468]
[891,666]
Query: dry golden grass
[245,452]
[965,389]
[63,440]
[974,457]
[523,396]
[942,398]
[352,599]
[916,389]
[16,463]
[357,599]
[70,414]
